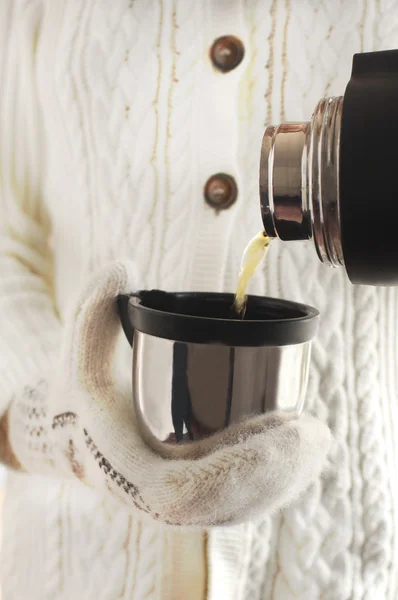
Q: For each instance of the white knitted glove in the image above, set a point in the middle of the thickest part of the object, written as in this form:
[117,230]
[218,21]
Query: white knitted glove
[83,425]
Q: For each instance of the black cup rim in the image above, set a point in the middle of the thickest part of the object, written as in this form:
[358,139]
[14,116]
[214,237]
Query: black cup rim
[227,332]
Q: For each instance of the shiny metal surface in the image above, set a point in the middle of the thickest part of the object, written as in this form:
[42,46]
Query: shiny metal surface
[284,201]
[184,392]
[323,180]
[299,180]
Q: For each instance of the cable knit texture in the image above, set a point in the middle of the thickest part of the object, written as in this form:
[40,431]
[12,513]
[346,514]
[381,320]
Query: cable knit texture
[112,119]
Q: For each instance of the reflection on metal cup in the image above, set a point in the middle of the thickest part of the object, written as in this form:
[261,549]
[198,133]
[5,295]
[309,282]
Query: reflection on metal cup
[196,370]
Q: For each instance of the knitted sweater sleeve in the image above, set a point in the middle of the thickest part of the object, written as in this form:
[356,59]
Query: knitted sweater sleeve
[29,326]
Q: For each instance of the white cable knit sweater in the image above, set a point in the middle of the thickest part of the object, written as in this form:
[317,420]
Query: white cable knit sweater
[112,119]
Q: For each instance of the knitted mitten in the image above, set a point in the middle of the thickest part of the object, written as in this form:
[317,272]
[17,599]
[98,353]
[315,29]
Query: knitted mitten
[80,422]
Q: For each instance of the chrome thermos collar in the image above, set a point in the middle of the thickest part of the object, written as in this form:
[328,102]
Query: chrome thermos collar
[299,173]
[333,179]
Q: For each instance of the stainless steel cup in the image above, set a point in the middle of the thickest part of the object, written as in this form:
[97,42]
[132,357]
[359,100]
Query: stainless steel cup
[198,370]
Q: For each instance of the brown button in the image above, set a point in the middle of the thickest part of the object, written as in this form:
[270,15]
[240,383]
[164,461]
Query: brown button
[227,52]
[221,191]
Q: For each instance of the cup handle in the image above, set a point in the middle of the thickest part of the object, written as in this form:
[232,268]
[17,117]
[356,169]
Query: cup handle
[123,307]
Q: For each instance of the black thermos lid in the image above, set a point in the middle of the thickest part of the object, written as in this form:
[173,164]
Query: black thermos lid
[369,170]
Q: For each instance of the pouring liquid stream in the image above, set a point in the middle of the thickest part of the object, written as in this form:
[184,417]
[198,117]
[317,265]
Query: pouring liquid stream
[254,253]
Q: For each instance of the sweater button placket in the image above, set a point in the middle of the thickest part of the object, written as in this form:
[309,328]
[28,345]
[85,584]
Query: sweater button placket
[217,151]
[221,191]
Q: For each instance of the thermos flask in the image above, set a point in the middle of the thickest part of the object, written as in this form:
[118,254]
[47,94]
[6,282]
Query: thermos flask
[333,179]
